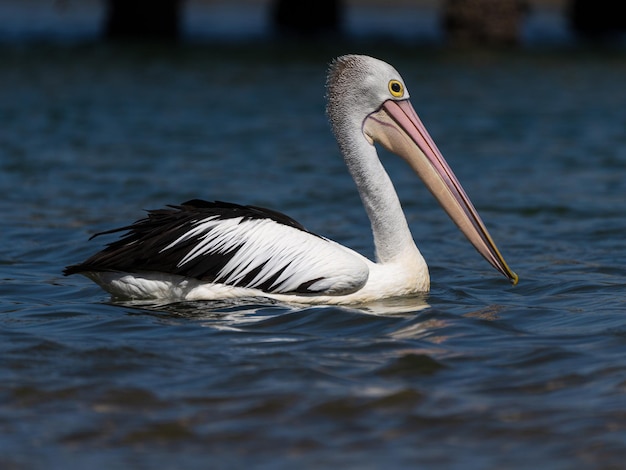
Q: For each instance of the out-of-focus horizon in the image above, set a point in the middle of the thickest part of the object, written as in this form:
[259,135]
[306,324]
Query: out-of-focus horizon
[413,21]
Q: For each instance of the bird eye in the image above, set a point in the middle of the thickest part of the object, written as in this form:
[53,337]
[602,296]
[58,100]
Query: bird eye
[396,88]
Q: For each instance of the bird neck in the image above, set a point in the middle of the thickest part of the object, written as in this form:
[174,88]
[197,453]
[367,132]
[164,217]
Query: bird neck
[392,238]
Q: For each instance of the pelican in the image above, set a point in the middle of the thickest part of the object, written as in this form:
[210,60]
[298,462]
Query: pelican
[202,250]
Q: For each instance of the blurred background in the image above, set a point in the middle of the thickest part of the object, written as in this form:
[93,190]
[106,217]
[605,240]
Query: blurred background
[460,21]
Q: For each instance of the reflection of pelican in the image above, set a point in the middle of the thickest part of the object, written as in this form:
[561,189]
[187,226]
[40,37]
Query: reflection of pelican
[216,250]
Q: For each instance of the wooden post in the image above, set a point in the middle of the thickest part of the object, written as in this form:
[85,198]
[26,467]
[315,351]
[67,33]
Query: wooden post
[484,21]
[597,18]
[143,19]
[307,17]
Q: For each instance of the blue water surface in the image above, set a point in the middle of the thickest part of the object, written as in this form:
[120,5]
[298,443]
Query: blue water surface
[476,374]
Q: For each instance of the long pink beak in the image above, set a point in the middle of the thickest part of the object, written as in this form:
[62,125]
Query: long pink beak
[396,126]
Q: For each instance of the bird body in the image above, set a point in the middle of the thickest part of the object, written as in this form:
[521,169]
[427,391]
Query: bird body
[214,250]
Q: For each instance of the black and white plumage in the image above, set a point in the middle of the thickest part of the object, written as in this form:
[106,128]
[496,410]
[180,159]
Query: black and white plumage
[224,243]
[215,250]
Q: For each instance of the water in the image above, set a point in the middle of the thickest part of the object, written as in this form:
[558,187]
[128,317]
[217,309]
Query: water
[477,374]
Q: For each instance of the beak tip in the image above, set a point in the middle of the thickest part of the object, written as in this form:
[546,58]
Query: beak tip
[514,278]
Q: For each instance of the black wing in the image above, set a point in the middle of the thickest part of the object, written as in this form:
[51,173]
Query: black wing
[203,240]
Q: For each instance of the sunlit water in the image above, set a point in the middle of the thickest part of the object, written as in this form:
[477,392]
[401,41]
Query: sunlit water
[476,374]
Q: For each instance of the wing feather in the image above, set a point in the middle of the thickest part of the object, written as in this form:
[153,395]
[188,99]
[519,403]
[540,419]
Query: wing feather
[241,246]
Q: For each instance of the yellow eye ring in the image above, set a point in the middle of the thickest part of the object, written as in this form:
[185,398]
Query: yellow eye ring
[395,88]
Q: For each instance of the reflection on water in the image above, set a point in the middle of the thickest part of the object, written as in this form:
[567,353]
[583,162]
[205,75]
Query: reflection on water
[476,374]
[253,309]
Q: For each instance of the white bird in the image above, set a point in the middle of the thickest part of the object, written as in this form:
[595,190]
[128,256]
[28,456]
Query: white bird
[214,250]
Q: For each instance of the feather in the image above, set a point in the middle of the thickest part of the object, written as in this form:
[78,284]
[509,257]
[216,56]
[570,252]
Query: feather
[240,246]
